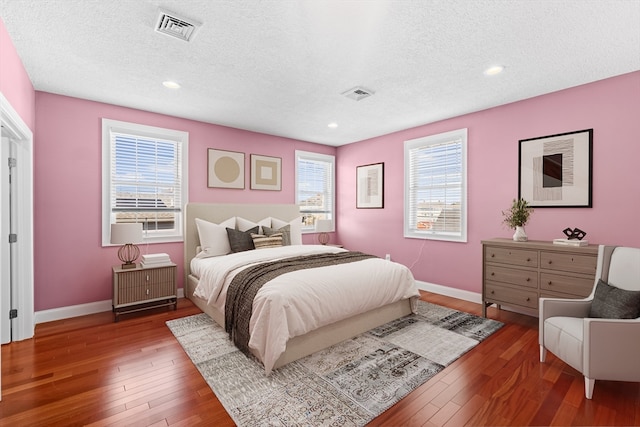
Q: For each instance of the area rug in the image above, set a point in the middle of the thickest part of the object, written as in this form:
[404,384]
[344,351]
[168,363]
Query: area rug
[348,384]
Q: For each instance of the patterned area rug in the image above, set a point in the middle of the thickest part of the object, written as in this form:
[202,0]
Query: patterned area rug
[348,384]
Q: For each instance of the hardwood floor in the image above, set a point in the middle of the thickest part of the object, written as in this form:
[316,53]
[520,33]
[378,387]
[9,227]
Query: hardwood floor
[91,371]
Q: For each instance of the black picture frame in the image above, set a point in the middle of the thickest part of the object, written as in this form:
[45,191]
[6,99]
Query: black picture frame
[370,186]
[557,170]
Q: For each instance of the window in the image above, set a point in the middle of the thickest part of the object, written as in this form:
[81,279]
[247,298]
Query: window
[143,180]
[315,188]
[435,187]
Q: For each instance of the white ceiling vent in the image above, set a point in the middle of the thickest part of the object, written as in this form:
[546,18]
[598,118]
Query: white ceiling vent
[176,26]
[357,93]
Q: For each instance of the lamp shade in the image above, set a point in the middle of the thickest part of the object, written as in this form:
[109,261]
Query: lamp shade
[323,225]
[126,233]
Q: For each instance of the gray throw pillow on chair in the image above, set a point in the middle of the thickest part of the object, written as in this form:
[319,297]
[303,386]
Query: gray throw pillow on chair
[610,302]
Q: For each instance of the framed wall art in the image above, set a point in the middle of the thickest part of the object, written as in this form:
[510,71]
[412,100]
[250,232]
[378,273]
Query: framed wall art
[370,186]
[556,170]
[225,169]
[266,173]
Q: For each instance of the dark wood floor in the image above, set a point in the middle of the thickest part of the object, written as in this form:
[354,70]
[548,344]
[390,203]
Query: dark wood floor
[91,371]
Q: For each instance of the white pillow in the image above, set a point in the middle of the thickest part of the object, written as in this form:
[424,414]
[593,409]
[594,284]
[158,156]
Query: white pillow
[213,237]
[295,228]
[245,224]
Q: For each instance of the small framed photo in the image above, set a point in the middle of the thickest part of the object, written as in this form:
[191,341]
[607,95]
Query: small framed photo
[370,186]
[266,173]
[225,169]
[556,170]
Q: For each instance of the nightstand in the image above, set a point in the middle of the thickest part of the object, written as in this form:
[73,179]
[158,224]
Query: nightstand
[137,289]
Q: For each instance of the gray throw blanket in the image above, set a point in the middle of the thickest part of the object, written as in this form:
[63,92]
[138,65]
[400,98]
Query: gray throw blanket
[245,286]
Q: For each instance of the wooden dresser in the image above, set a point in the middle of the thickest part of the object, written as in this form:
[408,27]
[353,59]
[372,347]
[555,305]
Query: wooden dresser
[516,274]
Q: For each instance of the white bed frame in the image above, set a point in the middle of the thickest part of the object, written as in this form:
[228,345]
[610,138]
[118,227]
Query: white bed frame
[299,346]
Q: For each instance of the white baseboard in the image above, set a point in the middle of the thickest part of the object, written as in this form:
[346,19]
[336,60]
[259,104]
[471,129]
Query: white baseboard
[450,292]
[79,310]
[106,305]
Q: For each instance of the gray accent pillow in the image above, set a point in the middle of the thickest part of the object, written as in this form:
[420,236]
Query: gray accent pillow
[286,233]
[610,302]
[241,241]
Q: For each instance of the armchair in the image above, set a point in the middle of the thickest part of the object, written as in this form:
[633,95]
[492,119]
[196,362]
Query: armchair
[599,348]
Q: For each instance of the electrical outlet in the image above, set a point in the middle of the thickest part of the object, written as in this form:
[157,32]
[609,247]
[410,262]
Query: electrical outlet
[387,257]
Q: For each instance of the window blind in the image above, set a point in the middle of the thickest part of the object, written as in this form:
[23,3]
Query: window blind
[146,181]
[435,187]
[315,187]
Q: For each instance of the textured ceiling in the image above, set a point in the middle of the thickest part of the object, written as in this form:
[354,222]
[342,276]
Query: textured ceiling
[280,67]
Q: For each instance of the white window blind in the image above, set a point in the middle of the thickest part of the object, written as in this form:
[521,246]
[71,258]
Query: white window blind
[144,180]
[315,187]
[435,187]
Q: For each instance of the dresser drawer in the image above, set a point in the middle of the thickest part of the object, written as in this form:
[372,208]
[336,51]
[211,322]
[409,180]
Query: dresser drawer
[513,276]
[521,257]
[578,286]
[506,295]
[140,285]
[568,262]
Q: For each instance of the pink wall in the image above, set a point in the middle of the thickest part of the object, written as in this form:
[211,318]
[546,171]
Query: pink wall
[611,107]
[14,81]
[71,267]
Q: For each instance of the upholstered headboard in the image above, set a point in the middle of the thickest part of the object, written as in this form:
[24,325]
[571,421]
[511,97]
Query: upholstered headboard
[218,212]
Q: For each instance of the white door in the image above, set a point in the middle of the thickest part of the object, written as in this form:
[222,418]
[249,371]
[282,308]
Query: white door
[16,259]
[5,251]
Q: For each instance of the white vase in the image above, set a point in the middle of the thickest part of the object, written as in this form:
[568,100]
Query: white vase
[520,235]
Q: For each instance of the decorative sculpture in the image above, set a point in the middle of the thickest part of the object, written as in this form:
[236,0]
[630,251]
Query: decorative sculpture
[575,234]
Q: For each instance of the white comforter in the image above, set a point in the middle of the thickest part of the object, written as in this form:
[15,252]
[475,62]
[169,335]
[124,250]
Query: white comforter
[298,302]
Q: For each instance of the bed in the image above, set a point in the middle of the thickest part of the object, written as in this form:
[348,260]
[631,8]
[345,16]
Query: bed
[303,342]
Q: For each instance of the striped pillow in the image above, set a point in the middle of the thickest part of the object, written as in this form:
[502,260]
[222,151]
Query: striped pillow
[262,242]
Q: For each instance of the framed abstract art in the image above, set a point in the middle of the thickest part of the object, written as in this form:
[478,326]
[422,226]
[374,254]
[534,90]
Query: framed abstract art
[370,186]
[556,170]
[225,169]
[266,173]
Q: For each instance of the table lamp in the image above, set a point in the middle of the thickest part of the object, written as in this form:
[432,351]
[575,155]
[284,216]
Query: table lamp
[127,234]
[322,227]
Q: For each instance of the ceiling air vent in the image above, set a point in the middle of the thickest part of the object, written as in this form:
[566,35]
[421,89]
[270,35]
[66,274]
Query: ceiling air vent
[357,93]
[176,26]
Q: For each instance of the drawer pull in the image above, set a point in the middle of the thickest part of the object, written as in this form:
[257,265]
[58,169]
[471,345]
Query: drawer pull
[528,299]
[549,283]
[528,279]
[493,274]
[493,292]
[493,255]
[147,291]
[528,259]
[549,261]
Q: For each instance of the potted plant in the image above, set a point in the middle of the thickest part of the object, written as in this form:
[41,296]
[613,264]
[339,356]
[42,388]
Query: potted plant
[517,217]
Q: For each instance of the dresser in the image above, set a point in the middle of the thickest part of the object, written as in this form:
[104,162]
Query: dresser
[516,274]
[139,288]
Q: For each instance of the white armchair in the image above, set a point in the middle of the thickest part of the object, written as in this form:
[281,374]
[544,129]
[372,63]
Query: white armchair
[601,349]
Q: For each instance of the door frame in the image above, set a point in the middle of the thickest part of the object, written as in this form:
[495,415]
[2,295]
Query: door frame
[14,128]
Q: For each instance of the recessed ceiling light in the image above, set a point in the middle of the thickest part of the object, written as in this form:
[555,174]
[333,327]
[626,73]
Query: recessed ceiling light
[171,84]
[333,125]
[492,71]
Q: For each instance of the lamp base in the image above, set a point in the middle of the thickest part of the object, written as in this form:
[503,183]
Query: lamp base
[323,238]
[128,253]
